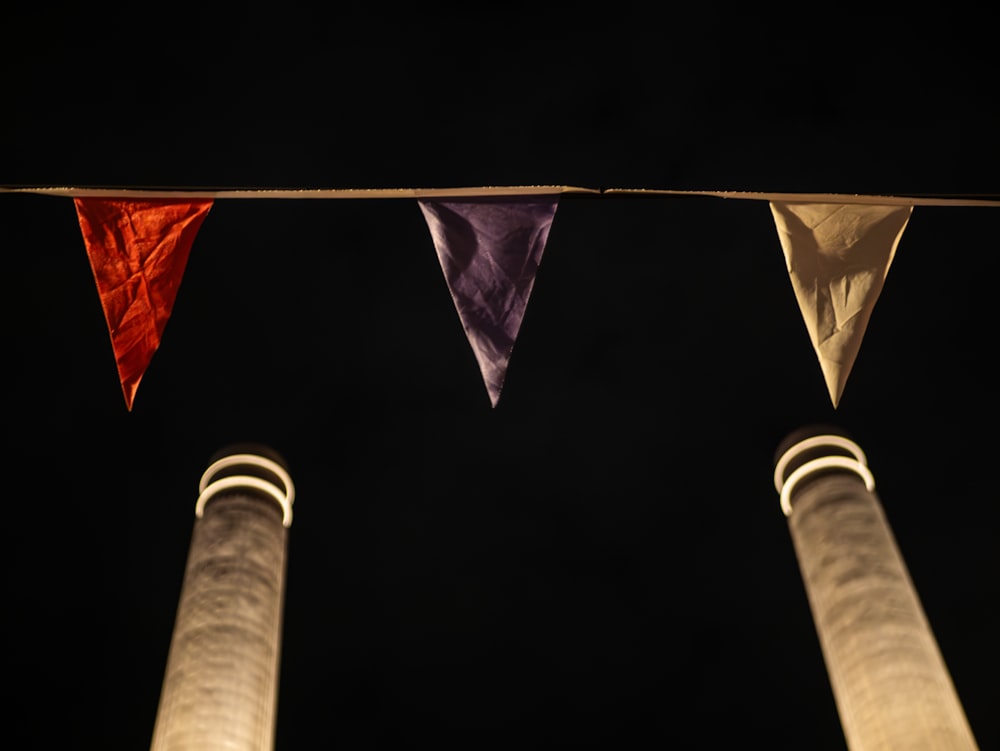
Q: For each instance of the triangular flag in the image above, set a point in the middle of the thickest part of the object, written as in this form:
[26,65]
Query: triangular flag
[838,256]
[489,249]
[138,251]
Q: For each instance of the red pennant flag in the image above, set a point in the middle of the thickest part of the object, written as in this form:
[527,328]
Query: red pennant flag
[138,251]
[490,249]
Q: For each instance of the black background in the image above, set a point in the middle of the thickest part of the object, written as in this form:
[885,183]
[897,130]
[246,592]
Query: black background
[601,558]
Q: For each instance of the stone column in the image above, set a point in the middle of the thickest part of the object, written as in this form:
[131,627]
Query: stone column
[890,683]
[220,685]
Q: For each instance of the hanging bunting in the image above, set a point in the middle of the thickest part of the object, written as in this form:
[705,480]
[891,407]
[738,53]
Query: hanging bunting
[138,250]
[489,241]
[838,256]
[490,249]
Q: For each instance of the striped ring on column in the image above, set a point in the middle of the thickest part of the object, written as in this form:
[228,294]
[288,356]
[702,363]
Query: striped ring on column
[857,463]
[284,496]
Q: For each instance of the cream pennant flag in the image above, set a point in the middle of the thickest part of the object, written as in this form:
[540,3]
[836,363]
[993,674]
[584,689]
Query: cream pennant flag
[838,256]
[489,249]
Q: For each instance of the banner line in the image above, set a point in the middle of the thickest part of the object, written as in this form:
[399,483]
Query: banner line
[514,190]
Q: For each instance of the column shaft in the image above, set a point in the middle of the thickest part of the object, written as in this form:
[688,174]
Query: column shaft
[220,685]
[890,682]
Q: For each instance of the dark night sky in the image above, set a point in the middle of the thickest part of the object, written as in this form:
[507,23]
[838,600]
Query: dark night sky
[601,558]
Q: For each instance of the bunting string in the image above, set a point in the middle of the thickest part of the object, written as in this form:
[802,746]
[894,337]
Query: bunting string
[898,199]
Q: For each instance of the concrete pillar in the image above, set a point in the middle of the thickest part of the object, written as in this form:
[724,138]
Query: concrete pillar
[890,683]
[220,685]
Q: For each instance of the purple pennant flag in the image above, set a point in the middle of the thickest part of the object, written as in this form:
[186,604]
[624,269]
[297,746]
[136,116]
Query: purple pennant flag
[490,249]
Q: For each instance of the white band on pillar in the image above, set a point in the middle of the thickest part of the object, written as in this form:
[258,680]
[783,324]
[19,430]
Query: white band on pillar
[858,464]
[826,462]
[284,496]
